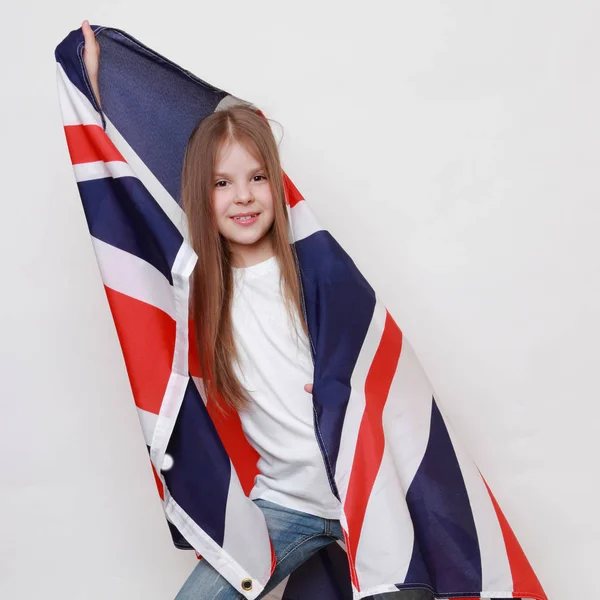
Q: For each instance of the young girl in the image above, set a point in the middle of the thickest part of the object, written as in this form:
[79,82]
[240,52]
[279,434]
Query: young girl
[247,306]
[246,303]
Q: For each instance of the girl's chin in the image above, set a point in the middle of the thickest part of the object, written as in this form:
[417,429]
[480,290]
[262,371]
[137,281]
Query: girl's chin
[245,235]
[245,240]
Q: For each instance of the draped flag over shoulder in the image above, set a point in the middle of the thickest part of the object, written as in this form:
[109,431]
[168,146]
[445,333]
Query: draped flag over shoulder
[416,512]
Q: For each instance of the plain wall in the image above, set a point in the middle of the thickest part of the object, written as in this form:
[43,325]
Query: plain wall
[451,148]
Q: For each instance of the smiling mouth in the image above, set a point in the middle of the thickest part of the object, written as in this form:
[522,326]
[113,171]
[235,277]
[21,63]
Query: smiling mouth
[245,218]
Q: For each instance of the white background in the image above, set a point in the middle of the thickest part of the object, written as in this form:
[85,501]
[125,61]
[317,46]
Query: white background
[451,148]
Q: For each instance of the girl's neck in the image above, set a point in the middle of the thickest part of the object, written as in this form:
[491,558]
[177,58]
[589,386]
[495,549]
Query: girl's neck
[248,255]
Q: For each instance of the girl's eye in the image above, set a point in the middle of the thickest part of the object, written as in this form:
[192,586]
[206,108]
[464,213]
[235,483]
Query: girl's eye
[221,183]
[259,177]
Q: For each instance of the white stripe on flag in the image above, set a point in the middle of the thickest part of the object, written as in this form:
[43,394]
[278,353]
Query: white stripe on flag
[386,542]
[101,170]
[201,389]
[148,423]
[179,379]
[229,101]
[246,537]
[380,589]
[303,221]
[75,108]
[134,277]
[149,180]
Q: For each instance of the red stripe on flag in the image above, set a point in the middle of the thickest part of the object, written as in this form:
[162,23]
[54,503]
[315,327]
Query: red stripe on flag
[371,441]
[147,337]
[292,195]
[90,143]
[525,581]
[244,457]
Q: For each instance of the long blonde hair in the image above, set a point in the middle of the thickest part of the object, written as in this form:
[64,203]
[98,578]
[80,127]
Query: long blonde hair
[212,279]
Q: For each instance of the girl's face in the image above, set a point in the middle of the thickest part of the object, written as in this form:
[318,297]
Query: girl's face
[243,203]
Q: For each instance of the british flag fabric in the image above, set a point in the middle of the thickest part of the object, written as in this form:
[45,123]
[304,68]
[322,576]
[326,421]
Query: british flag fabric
[418,517]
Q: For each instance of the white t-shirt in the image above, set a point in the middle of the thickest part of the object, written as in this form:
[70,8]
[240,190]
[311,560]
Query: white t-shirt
[275,364]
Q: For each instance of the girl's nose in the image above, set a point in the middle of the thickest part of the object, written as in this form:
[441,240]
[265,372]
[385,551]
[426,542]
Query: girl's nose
[244,196]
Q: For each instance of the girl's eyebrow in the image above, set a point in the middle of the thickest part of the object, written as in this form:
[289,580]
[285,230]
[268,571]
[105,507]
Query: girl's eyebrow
[259,168]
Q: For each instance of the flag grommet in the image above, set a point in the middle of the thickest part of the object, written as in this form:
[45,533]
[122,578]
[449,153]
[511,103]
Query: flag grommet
[246,584]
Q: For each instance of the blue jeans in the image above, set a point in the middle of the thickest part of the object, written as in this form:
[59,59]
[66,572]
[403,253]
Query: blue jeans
[295,535]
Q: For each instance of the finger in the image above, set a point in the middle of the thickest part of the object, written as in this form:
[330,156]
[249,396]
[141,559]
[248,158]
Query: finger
[90,37]
[88,34]
[308,388]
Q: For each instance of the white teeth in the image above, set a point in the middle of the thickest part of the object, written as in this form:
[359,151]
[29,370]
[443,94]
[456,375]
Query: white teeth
[244,218]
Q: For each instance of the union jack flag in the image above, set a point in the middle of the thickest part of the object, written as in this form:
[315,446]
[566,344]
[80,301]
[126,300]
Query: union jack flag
[416,512]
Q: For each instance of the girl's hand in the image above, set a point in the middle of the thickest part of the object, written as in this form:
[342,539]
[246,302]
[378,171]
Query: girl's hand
[308,388]
[91,57]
